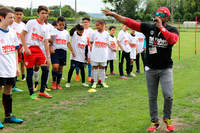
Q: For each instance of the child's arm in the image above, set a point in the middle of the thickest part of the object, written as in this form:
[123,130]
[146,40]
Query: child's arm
[51,50]
[17,64]
[27,51]
[71,49]
[46,46]
[120,46]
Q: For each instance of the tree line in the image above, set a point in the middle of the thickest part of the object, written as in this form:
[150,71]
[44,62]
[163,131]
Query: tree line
[145,10]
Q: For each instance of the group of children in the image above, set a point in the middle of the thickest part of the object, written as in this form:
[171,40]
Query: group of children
[37,42]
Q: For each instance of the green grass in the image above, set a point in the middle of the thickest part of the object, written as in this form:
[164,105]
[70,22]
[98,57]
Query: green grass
[122,108]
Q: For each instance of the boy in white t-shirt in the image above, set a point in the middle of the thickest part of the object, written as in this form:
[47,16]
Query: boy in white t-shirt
[99,52]
[34,37]
[133,43]
[78,59]
[9,62]
[112,49]
[60,40]
[49,28]
[140,50]
[124,52]
[19,26]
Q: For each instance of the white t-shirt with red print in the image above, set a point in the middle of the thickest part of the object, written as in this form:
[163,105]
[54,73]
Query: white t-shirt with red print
[78,45]
[87,34]
[100,44]
[8,44]
[123,38]
[18,27]
[141,38]
[113,44]
[60,39]
[36,33]
[134,40]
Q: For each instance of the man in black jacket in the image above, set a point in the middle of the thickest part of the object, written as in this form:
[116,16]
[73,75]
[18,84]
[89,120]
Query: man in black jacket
[160,39]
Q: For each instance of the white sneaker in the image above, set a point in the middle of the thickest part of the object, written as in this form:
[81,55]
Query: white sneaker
[85,85]
[105,85]
[67,85]
[62,78]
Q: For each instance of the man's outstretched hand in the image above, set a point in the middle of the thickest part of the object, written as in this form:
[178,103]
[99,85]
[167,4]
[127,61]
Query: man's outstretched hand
[107,12]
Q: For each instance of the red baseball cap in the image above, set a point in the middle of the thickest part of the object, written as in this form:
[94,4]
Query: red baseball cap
[164,10]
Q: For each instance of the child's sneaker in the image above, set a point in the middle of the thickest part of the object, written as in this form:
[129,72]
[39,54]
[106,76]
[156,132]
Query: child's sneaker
[44,94]
[85,85]
[77,78]
[104,85]
[59,87]
[153,127]
[15,89]
[1,126]
[53,85]
[13,119]
[94,85]
[123,77]
[169,125]
[112,73]
[67,85]
[36,86]
[89,79]
[24,79]
[34,97]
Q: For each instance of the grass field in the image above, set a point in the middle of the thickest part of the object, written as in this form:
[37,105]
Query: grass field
[122,108]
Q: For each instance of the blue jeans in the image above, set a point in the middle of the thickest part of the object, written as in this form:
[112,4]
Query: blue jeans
[165,77]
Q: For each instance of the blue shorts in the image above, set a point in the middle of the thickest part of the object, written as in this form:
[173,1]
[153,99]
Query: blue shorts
[59,57]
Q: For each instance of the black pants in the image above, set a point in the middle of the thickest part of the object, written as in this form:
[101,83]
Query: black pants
[123,55]
[111,65]
[75,64]
[137,62]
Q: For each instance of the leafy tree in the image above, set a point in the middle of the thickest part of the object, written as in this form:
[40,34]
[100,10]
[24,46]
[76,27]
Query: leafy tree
[126,8]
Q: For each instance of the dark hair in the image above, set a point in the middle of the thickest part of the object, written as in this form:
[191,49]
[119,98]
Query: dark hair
[62,19]
[86,18]
[112,27]
[54,23]
[19,9]
[79,27]
[101,21]
[40,8]
[4,11]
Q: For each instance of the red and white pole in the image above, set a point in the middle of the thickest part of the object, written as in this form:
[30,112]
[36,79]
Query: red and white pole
[196,36]
[179,38]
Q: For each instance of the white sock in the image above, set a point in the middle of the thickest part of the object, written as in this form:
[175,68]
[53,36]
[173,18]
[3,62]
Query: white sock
[36,76]
[102,75]
[94,75]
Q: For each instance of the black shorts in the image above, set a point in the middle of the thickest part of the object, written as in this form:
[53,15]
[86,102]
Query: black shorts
[78,64]
[59,57]
[7,81]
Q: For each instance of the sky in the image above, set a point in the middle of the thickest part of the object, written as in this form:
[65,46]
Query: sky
[89,6]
